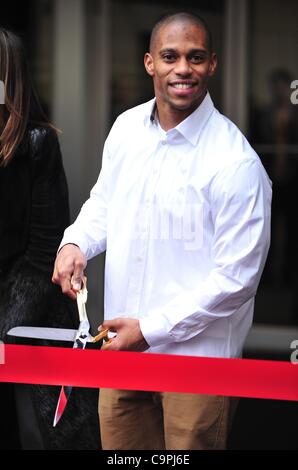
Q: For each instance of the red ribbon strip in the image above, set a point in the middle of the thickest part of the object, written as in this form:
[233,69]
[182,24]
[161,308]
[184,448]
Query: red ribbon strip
[154,372]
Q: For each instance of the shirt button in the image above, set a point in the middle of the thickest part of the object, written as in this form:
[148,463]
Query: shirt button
[139,259]
[164,142]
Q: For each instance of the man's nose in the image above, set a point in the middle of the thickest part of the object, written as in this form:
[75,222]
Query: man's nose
[183,67]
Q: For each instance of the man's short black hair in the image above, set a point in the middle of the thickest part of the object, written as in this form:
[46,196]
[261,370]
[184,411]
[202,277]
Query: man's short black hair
[182,16]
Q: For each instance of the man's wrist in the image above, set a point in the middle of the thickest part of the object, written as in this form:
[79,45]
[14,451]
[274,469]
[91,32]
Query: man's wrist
[66,244]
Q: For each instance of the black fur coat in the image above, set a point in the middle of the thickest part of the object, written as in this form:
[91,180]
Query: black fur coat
[34,197]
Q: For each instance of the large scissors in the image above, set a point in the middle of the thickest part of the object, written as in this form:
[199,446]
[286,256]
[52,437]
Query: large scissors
[82,337]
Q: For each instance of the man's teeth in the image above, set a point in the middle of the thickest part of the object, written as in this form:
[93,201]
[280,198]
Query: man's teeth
[182,86]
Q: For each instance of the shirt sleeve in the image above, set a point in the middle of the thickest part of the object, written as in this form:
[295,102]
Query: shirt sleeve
[240,199]
[89,231]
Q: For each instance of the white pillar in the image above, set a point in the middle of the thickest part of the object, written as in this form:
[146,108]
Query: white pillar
[69,94]
[97,121]
[235,60]
[98,63]
[81,107]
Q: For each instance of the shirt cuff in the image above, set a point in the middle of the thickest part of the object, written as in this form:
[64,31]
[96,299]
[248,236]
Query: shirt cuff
[74,239]
[154,331]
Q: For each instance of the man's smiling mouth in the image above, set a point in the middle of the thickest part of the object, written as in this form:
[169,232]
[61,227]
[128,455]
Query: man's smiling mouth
[182,85]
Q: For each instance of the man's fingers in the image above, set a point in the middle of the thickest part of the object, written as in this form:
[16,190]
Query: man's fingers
[112,325]
[76,281]
[78,275]
[111,328]
[65,281]
[69,269]
[66,286]
[55,276]
[110,345]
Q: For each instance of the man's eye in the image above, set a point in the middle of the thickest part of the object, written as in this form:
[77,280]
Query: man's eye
[169,57]
[196,59]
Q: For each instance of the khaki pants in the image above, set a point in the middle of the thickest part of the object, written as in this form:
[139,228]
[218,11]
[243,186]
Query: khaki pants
[134,420]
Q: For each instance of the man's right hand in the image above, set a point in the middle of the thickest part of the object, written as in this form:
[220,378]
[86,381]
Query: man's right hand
[69,269]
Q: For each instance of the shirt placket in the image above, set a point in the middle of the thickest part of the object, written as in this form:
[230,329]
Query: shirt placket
[142,238]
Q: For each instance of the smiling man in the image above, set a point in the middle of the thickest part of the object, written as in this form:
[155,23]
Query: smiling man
[181,62]
[182,208]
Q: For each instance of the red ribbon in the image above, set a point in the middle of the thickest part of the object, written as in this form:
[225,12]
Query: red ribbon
[154,372]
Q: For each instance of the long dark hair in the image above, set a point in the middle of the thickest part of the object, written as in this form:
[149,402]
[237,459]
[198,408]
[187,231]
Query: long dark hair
[21,105]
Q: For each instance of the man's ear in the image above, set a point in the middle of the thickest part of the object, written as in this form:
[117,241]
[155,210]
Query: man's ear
[213,64]
[149,65]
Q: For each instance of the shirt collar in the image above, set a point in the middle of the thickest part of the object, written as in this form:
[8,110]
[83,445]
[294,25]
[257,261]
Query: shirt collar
[150,112]
[193,125]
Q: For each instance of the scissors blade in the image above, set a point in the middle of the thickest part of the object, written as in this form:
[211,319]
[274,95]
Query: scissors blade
[80,343]
[62,402]
[56,334]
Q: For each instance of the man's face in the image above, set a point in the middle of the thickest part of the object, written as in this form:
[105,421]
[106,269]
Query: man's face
[180,64]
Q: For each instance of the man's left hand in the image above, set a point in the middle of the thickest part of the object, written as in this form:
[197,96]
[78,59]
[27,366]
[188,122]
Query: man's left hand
[129,336]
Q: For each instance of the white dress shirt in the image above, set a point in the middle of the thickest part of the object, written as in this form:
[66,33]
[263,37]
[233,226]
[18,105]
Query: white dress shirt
[184,217]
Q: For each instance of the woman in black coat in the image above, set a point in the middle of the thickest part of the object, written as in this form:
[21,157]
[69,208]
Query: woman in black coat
[34,213]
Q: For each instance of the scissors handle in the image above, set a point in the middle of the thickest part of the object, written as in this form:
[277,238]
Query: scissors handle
[82,295]
[81,301]
[101,335]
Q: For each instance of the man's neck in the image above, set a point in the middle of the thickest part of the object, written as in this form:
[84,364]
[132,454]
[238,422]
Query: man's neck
[168,121]
[169,117]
